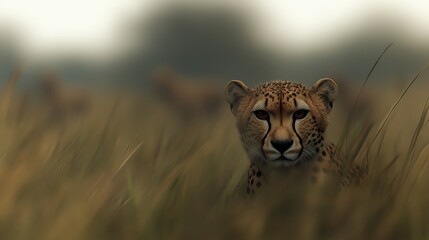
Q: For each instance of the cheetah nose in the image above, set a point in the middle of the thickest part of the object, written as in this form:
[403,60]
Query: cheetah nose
[282,145]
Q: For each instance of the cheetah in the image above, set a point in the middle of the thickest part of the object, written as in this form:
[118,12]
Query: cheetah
[282,124]
[64,101]
[189,98]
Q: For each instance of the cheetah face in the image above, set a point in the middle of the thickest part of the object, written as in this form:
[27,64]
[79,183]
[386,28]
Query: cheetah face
[281,123]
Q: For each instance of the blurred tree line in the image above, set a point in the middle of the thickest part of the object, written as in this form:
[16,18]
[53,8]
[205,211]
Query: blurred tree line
[197,42]
[221,43]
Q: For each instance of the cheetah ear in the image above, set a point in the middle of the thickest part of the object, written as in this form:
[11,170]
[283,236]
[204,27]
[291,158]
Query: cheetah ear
[326,91]
[235,90]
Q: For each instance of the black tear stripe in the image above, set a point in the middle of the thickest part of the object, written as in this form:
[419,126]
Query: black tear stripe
[294,102]
[266,102]
[300,140]
[266,134]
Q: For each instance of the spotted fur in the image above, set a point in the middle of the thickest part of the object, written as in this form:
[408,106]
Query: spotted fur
[282,124]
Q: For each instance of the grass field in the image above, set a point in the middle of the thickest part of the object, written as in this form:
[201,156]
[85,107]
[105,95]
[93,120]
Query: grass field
[131,169]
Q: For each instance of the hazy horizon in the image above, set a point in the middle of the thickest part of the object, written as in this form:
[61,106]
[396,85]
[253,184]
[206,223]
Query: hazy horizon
[99,29]
[124,41]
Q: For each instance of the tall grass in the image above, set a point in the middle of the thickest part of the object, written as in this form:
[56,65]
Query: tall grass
[131,169]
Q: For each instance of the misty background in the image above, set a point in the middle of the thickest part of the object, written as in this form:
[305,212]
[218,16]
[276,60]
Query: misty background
[222,42]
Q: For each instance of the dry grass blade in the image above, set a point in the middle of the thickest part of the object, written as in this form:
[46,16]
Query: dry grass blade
[383,138]
[419,128]
[360,141]
[389,166]
[411,160]
[394,107]
[414,173]
[127,158]
[351,112]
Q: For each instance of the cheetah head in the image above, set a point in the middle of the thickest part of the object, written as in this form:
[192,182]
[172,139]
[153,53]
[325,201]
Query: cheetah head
[281,123]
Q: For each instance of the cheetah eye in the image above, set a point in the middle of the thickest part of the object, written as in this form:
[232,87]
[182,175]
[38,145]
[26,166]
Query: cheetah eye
[300,114]
[261,114]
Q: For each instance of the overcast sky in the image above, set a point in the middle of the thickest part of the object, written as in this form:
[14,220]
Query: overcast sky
[92,26]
